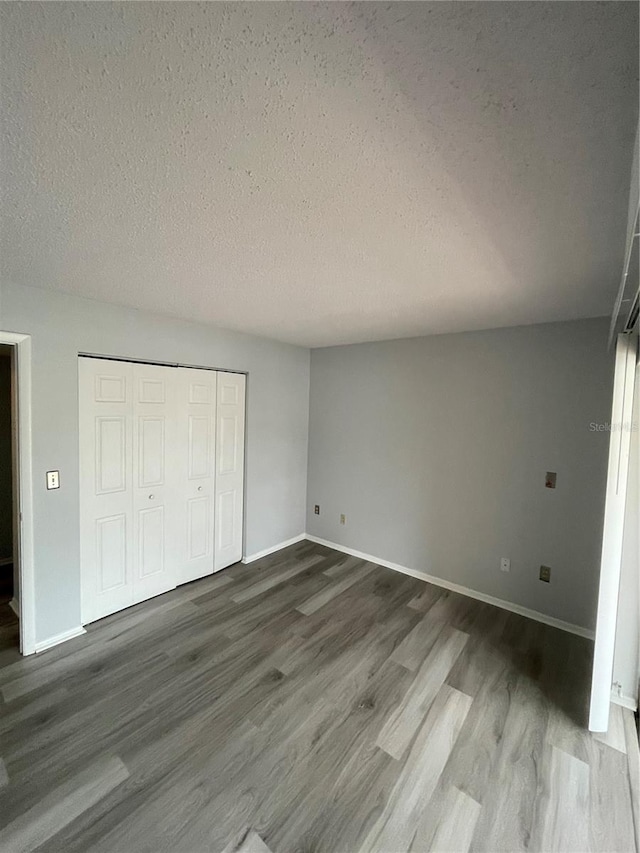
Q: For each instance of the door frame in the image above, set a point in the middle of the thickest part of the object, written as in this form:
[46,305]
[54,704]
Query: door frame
[26,575]
[613,531]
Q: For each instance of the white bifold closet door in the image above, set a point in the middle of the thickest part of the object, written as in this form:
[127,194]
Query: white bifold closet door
[154,481]
[150,500]
[106,487]
[229,468]
[197,419]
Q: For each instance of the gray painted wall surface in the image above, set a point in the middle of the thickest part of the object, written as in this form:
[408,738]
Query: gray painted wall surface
[277,423]
[436,450]
[6,478]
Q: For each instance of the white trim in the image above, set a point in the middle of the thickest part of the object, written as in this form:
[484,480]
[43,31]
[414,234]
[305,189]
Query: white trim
[625,701]
[274,548]
[60,638]
[27,617]
[613,533]
[14,604]
[463,590]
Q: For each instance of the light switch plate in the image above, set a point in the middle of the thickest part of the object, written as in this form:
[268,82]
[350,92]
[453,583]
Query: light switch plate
[550,480]
[53,479]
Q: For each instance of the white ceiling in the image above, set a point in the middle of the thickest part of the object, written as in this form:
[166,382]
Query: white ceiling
[321,173]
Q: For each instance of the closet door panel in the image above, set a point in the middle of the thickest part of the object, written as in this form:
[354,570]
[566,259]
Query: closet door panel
[200,455]
[111,552]
[229,469]
[227,515]
[151,451]
[199,529]
[111,454]
[154,498]
[151,550]
[106,480]
[197,436]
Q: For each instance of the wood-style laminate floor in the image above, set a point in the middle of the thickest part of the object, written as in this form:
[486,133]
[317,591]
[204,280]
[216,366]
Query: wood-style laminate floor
[309,702]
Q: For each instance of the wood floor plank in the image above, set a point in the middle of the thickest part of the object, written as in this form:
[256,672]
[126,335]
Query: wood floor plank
[614,736]
[457,610]
[418,643]
[251,843]
[355,780]
[566,686]
[633,765]
[36,677]
[353,617]
[62,806]
[610,818]
[396,826]
[454,832]
[334,789]
[426,597]
[326,595]
[473,765]
[343,566]
[509,801]
[277,578]
[390,595]
[563,809]
[402,725]
[19,713]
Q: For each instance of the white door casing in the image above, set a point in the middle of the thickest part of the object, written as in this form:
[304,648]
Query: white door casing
[229,485]
[24,477]
[613,533]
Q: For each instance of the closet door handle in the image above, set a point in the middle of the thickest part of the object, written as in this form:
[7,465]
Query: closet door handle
[199,488]
[151,497]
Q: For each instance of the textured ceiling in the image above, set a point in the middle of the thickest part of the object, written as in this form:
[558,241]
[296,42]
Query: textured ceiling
[321,173]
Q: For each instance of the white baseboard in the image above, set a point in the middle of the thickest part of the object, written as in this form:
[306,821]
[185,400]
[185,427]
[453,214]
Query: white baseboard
[626,701]
[259,554]
[14,604]
[463,590]
[60,638]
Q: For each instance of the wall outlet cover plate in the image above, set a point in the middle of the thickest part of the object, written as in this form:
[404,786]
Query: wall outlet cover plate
[53,479]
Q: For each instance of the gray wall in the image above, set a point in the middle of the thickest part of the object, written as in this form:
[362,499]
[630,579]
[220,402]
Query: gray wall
[6,478]
[277,423]
[436,450]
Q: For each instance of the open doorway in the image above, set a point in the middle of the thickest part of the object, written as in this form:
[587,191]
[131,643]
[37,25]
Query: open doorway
[17,582]
[9,516]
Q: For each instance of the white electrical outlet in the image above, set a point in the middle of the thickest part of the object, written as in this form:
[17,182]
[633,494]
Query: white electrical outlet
[505,564]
